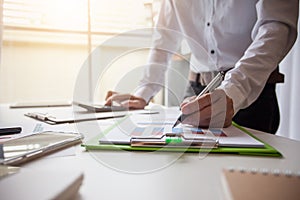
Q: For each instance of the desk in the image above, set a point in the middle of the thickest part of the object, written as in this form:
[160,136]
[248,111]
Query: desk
[144,175]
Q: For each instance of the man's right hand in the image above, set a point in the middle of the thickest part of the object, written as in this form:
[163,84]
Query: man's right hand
[125,100]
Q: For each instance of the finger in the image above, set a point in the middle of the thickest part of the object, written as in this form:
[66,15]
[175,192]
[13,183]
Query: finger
[196,104]
[187,100]
[136,104]
[120,97]
[216,115]
[203,101]
[229,112]
[222,109]
[205,118]
[108,102]
[221,112]
[213,116]
[109,94]
[200,118]
[117,98]
[217,95]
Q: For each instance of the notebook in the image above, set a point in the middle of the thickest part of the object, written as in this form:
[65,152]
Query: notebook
[260,184]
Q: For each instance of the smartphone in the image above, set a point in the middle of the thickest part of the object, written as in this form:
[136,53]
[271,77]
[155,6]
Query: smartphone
[23,149]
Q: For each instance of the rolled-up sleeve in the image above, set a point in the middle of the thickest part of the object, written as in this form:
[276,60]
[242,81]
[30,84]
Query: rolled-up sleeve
[273,35]
[166,42]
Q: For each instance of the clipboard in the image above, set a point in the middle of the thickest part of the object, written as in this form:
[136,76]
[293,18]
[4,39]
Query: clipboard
[169,140]
[266,150]
[69,116]
[52,120]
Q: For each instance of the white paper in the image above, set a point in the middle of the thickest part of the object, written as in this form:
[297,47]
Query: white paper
[144,126]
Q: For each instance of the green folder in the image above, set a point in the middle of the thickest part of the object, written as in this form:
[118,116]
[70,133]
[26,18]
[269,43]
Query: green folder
[267,150]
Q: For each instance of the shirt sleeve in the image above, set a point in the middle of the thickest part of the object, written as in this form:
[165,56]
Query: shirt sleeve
[165,42]
[273,36]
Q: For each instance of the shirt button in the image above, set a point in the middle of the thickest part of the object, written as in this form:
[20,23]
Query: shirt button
[208,24]
[212,51]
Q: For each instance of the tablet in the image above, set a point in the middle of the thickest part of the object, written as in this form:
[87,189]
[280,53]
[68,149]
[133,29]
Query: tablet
[100,108]
[22,149]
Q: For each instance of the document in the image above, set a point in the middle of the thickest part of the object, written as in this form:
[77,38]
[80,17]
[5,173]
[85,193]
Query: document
[143,127]
[68,115]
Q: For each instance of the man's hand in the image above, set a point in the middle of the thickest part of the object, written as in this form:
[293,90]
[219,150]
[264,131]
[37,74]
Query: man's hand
[212,110]
[125,100]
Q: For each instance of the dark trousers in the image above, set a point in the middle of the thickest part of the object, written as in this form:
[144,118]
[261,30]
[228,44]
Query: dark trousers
[263,114]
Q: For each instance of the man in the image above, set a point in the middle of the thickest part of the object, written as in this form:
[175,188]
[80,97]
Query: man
[246,38]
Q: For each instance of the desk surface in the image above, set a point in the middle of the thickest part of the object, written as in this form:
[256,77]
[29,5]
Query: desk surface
[156,175]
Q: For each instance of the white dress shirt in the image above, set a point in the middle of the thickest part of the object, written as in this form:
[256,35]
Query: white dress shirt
[250,36]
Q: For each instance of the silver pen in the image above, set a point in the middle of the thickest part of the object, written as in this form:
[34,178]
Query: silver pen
[215,82]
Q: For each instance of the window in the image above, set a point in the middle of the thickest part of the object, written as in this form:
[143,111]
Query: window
[76,16]
[45,42]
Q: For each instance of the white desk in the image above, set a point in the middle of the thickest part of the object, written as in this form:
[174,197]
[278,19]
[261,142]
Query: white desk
[145,175]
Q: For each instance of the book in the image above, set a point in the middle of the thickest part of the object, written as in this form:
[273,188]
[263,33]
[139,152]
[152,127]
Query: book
[260,184]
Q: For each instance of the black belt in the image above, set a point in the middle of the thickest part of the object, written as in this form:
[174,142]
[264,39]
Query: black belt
[275,77]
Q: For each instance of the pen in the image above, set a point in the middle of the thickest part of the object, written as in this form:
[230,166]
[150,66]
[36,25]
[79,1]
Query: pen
[10,130]
[210,87]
